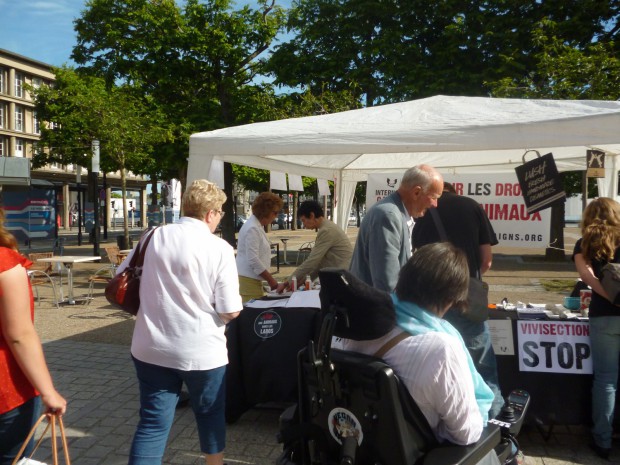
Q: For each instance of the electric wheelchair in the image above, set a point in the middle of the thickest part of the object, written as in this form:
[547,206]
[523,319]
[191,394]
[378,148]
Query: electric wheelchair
[352,407]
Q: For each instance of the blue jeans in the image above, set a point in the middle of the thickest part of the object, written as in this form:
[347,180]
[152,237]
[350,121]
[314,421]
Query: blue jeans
[159,392]
[478,341]
[605,343]
[14,428]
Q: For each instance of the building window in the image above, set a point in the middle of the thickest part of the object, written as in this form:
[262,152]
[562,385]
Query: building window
[19,118]
[2,71]
[19,85]
[19,147]
[2,142]
[2,106]
[35,123]
[37,82]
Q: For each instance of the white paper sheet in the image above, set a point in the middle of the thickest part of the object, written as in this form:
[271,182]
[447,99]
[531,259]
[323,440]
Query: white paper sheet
[306,299]
[272,303]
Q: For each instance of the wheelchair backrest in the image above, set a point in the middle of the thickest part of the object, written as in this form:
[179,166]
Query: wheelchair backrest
[362,398]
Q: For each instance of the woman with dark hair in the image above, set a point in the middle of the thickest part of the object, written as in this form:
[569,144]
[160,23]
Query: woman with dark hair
[254,248]
[429,355]
[599,245]
[332,247]
[25,379]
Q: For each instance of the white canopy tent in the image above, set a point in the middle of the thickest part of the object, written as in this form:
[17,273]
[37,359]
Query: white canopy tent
[453,134]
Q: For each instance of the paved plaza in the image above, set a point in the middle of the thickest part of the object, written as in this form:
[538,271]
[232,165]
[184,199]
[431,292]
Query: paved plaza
[87,349]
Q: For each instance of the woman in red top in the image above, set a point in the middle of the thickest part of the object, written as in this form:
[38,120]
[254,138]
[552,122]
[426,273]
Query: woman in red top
[23,372]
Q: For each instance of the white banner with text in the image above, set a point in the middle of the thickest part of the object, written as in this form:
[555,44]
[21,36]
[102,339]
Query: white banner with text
[554,347]
[499,195]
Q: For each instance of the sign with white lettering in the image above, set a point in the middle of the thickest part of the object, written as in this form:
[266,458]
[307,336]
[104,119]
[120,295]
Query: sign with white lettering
[267,324]
[540,182]
[500,196]
[554,347]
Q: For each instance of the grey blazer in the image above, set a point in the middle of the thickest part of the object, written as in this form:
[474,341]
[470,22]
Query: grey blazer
[383,244]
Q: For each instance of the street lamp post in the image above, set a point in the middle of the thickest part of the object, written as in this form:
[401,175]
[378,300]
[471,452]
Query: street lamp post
[78,181]
[95,175]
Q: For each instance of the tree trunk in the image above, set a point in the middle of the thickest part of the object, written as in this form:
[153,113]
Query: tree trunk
[154,191]
[228,222]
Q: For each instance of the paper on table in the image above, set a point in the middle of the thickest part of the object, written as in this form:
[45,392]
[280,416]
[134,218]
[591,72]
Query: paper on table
[266,303]
[306,299]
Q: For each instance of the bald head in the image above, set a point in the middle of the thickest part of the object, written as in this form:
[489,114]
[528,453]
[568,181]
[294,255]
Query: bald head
[420,188]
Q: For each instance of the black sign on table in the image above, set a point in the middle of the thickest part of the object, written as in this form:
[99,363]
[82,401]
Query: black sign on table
[540,182]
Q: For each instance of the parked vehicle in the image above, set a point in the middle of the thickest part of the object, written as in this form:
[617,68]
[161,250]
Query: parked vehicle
[241,219]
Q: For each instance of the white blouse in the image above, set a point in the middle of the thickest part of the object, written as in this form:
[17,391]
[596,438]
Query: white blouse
[253,249]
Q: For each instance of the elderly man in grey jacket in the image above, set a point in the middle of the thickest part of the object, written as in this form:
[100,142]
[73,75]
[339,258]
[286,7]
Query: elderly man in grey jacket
[383,243]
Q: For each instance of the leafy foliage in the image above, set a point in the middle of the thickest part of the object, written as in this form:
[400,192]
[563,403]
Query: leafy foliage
[80,109]
[397,50]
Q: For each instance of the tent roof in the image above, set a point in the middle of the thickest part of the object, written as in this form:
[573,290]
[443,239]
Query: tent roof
[453,134]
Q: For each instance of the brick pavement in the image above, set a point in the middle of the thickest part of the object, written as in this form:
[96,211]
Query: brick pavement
[88,354]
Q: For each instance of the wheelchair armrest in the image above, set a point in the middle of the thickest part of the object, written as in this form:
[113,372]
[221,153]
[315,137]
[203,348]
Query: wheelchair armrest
[464,455]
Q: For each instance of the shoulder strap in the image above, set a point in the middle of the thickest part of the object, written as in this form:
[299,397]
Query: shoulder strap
[137,260]
[385,348]
[438,224]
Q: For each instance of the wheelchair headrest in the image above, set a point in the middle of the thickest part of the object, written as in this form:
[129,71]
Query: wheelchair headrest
[370,312]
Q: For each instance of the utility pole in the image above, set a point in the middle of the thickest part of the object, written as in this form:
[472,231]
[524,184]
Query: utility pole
[95,175]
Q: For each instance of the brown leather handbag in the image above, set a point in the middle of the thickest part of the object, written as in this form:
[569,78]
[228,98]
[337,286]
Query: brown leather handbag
[123,290]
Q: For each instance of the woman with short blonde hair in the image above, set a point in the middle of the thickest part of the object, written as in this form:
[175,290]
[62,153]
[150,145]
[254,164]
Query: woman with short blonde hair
[201,197]
[188,292]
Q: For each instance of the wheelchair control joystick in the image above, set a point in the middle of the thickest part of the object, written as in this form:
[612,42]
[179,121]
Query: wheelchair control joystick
[513,412]
[507,413]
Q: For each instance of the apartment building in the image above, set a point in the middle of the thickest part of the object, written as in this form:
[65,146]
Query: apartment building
[20,130]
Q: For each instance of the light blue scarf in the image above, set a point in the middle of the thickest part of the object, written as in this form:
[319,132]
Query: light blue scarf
[415,320]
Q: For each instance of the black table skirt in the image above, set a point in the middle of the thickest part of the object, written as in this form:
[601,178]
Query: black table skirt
[264,369]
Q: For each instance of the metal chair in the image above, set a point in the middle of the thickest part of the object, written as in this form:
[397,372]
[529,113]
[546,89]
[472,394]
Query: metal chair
[304,251]
[104,274]
[40,274]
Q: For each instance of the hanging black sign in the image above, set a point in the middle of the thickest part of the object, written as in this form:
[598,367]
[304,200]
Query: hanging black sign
[540,182]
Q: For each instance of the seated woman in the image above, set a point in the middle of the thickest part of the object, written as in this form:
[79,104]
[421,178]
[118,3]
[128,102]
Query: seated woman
[430,357]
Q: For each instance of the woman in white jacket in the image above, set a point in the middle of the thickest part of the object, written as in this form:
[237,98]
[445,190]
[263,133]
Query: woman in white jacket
[254,248]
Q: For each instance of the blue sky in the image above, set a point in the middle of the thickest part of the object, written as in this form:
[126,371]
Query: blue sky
[40,29]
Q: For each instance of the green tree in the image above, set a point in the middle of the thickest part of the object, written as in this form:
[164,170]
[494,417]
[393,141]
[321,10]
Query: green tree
[197,63]
[398,50]
[79,109]
[565,70]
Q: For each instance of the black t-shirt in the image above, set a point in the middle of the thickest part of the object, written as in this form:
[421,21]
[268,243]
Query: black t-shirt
[599,305]
[467,227]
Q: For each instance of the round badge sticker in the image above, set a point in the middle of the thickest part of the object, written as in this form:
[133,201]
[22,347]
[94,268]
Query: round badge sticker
[267,324]
[343,424]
